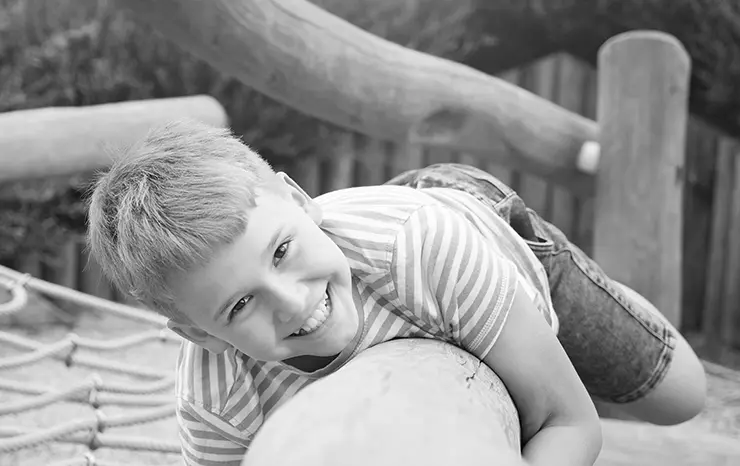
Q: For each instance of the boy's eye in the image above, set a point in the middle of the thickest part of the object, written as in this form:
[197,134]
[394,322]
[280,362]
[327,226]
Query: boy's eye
[240,304]
[281,251]
[238,307]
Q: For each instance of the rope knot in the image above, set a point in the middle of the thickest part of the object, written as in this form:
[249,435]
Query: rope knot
[68,360]
[90,459]
[97,383]
[101,421]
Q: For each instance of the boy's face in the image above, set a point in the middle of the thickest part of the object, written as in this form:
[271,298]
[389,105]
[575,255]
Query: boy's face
[281,290]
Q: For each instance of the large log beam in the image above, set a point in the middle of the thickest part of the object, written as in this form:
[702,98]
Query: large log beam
[426,402]
[404,402]
[319,64]
[60,141]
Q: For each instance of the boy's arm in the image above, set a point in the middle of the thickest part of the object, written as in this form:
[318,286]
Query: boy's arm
[441,258]
[559,421]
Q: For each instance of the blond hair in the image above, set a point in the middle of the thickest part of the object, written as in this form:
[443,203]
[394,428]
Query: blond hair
[167,203]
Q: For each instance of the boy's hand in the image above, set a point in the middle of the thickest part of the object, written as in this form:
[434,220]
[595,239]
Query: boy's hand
[560,425]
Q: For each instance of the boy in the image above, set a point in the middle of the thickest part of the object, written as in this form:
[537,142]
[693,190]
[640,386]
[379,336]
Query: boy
[272,289]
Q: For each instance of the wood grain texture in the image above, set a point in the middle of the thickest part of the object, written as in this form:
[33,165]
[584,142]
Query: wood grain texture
[58,141]
[425,402]
[642,111]
[402,402]
[321,65]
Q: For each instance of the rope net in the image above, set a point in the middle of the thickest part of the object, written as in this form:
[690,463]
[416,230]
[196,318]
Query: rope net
[102,394]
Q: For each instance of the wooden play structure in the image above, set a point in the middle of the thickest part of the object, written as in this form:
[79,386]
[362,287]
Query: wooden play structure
[629,161]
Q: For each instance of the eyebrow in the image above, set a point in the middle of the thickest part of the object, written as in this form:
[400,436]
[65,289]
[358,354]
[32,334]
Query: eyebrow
[273,241]
[270,247]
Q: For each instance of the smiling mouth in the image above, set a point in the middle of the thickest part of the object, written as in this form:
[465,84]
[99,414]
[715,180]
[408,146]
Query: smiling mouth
[317,317]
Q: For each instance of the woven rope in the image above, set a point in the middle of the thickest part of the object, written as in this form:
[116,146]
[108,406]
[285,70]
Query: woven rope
[94,390]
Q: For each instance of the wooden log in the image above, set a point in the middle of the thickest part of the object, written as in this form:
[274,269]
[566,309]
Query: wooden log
[417,402]
[642,112]
[67,140]
[402,402]
[319,64]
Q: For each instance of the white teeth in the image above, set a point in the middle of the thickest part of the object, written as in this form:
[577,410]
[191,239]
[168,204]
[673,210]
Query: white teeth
[316,319]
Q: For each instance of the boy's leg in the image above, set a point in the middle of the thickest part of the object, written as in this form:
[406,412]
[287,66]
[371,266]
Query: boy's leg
[682,393]
[664,381]
[622,347]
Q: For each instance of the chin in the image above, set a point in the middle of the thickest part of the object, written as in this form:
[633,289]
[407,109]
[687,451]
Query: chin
[334,348]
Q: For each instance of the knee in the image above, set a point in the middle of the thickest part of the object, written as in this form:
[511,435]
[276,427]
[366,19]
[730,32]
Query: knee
[690,382]
[682,394]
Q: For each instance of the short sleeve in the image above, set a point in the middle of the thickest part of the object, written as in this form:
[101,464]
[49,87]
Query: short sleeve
[447,274]
[206,439]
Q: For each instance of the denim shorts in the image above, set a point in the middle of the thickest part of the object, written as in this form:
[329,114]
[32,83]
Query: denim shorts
[620,349]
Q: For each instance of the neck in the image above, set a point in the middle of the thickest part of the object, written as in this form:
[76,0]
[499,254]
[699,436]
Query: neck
[310,363]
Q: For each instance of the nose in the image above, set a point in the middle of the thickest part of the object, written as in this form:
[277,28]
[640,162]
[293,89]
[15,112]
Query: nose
[289,301]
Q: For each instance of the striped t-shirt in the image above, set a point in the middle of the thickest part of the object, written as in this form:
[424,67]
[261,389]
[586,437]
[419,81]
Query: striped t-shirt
[430,263]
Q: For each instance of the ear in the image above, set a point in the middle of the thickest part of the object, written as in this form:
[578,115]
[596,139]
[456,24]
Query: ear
[301,197]
[199,337]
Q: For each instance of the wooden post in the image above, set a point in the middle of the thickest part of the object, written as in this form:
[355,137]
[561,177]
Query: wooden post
[402,402]
[62,141]
[642,113]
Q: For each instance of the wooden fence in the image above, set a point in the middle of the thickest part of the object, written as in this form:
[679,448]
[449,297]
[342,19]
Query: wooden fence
[711,260]
[711,177]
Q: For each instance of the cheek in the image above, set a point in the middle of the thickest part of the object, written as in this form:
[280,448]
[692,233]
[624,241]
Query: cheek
[254,334]
[329,254]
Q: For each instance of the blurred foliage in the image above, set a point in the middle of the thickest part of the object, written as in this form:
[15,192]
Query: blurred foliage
[708,29]
[87,52]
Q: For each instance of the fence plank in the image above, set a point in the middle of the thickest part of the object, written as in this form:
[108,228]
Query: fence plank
[540,78]
[405,156]
[731,309]
[306,171]
[370,159]
[712,314]
[91,279]
[571,93]
[701,155]
[504,173]
[64,270]
[433,155]
[339,169]
[585,218]
[29,263]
